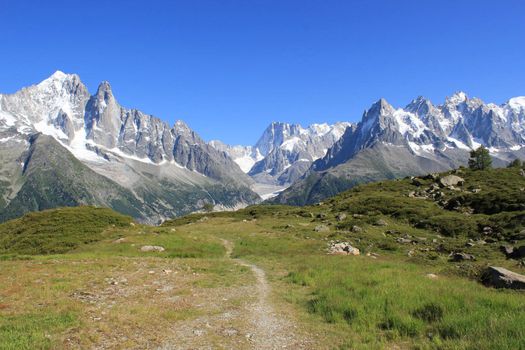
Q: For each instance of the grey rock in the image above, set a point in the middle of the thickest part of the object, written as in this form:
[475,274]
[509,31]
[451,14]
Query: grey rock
[499,277]
[518,253]
[152,248]
[381,222]
[340,217]
[461,257]
[342,248]
[356,229]
[507,250]
[451,180]
[321,228]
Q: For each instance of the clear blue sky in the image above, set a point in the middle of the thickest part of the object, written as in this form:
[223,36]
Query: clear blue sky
[230,67]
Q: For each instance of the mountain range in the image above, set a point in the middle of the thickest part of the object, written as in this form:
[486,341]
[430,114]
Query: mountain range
[393,142]
[62,146]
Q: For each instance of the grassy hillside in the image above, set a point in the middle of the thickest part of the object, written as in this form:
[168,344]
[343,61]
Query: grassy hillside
[402,292]
[58,231]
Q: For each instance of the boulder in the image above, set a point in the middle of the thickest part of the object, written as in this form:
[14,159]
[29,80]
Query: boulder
[321,228]
[461,257]
[522,172]
[356,228]
[381,222]
[451,180]
[499,277]
[507,250]
[518,253]
[403,240]
[340,217]
[342,248]
[487,230]
[152,248]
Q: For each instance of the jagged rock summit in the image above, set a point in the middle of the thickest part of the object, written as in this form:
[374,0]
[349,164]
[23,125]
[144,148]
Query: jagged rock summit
[418,139]
[165,171]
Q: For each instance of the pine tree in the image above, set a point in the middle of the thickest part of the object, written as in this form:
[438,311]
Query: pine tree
[480,159]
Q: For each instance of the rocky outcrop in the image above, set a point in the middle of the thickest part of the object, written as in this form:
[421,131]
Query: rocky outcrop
[499,277]
[342,248]
[451,180]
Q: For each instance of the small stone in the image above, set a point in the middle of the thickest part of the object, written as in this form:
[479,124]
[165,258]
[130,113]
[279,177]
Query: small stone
[432,276]
[356,229]
[152,248]
[381,222]
[340,217]
[461,257]
[321,228]
[230,332]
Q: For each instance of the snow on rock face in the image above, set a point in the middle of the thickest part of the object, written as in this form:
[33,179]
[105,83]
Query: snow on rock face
[460,123]
[95,126]
[282,146]
[517,103]
[244,156]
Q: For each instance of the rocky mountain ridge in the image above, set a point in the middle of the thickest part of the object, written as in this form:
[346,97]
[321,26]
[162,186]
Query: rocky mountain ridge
[417,139]
[137,151]
[284,151]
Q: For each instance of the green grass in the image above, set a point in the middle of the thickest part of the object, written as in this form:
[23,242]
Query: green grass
[34,331]
[351,302]
[395,301]
[58,230]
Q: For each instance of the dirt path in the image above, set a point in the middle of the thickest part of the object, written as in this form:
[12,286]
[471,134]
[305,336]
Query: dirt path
[270,330]
[238,317]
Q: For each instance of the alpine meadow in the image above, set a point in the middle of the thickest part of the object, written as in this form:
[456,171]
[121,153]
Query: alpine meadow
[335,175]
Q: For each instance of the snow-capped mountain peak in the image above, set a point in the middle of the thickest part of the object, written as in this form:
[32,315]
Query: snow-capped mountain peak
[284,151]
[457,98]
[517,103]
